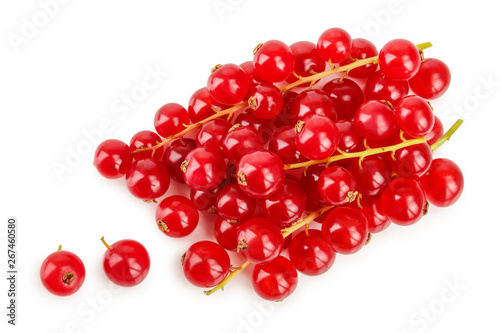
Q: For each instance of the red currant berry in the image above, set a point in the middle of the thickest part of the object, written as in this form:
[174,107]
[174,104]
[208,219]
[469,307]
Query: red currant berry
[148,179]
[414,116]
[273,61]
[265,100]
[436,132]
[226,233]
[349,140]
[372,210]
[247,66]
[264,127]
[310,253]
[204,168]
[146,139]
[282,144]
[317,137]
[334,45]
[443,183]
[201,105]
[260,173]
[311,102]
[126,262]
[309,183]
[228,84]
[204,201]
[307,60]
[62,273]
[275,280]
[399,59]
[345,229]
[241,140]
[372,175]
[175,153]
[206,264]
[346,95]
[375,121]
[432,80]
[171,119]
[286,205]
[380,87]
[403,201]
[285,117]
[233,204]
[211,133]
[259,240]
[361,49]
[337,185]
[176,216]
[412,161]
[113,158]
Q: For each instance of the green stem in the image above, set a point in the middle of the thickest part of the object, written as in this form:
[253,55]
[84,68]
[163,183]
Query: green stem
[446,136]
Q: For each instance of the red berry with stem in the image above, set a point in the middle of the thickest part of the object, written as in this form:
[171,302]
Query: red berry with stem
[380,87]
[233,204]
[361,49]
[443,183]
[226,233]
[148,179]
[346,95]
[175,153]
[371,208]
[311,102]
[259,240]
[399,59]
[334,45]
[432,79]
[273,61]
[375,121]
[372,175]
[265,100]
[275,280]
[201,105]
[241,140]
[282,144]
[204,201]
[260,173]
[212,132]
[317,137]
[171,119]
[310,253]
[146,139]
[206,264]
[62,273]
[412,161]
[403,201]
[307,61]
[345,229]
[414,116]
[176,216]
[126,262]
[436,132]
[286,205]
[228,84]
[204,168]
[337,185]
[113,158]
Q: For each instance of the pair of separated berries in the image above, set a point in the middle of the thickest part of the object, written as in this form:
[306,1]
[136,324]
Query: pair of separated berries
[126,263]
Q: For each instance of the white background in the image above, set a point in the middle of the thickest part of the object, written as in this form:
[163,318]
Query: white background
[69,75]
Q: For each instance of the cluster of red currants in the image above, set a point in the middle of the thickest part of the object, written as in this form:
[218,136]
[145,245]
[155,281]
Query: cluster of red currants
[278,147]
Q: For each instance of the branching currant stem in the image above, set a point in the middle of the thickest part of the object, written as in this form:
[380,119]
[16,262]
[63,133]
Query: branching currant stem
[308,79]
[446,136]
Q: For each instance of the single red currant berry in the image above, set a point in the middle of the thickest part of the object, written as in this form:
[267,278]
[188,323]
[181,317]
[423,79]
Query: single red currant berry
[126,262]
[317,137]
[337,185]
[265,100]
[282,144]
[211,133]
[436,132]
[62,273]
[403,201]
[204,201]
[349,140]
[201,105]
[233,204]
[375,121]
[171,119]
[204,168]
[380,87]
[286,205]
[345,229]
[414,116]
[371,208]
[443,183]
[226,233]
[412,161]
[259,240]
[399,59]
[146,139]
[273,61]
[346,95]
[247,66]
[275,280]
[113,158]
[432,79]
[334,45]
[309,183]
[148,179]
[260,173]
[241,140]
[310,102]
[264,127]
[310,253]
[176,216]
[372,175]
[285,117]
[205,264]
[228,84]
[175,153]
[307,61]
[361,49]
